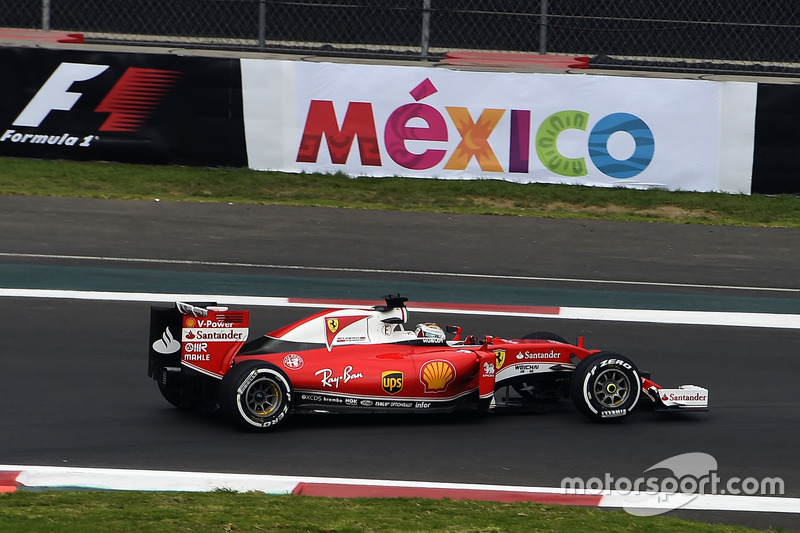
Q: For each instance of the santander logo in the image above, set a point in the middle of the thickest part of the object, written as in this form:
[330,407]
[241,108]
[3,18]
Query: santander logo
[683,397]
[167,344]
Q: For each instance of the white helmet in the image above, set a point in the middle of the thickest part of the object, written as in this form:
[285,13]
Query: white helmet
[430,331]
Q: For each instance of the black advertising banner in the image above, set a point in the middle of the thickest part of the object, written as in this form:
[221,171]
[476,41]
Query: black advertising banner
[126,107]
[777,140]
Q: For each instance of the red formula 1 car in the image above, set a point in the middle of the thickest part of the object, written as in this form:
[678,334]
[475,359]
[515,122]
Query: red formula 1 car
[346,360]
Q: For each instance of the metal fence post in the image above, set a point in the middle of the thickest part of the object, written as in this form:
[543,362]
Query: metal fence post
[543,28]
[46,15]
[262,24]
[426,27]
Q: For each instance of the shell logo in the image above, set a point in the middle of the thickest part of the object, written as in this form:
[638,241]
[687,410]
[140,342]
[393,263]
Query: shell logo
[437,375]
[190,322]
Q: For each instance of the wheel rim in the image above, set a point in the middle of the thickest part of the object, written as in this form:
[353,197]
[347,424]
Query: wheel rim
[262,397]
[612,387]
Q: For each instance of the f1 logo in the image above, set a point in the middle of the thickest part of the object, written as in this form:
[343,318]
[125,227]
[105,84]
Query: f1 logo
[129,103]
[55,94]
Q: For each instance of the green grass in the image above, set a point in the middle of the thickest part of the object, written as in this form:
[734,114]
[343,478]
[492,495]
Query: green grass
[486,197]
[130,512]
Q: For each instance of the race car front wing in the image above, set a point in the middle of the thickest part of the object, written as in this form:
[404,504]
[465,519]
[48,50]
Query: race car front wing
[685,397]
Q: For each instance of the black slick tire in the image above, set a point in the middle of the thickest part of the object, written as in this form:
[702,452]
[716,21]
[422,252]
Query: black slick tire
[255,396]
[605,387]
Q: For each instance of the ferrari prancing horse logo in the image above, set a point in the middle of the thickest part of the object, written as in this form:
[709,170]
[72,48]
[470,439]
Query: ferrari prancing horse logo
[337,326]
[500,358]
[333,325]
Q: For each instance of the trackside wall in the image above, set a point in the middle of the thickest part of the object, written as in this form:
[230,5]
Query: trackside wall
[378,120]
[94,105]
[157,107]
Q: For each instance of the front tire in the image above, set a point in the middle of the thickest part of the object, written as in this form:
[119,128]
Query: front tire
[255,396]
[605,387]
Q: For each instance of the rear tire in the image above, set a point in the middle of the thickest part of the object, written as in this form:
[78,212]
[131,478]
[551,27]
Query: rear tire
[169,386]
[255,396]
[173,396]
[605,387]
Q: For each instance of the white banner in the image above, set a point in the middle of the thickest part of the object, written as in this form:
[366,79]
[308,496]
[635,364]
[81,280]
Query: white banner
[375,120]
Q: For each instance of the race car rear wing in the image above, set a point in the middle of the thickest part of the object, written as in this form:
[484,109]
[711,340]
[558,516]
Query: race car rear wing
[165,340]
[201,336]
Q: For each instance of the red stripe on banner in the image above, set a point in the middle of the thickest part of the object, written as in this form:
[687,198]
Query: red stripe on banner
[332,490]
[539,310]
[8,481]
[498,59]
[41,35]
[332,303]
[532,309]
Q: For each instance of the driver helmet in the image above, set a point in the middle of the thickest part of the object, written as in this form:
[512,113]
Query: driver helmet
[430,331]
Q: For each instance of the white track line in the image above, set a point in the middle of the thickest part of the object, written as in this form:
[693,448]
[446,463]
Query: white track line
[265,266]
[704,318]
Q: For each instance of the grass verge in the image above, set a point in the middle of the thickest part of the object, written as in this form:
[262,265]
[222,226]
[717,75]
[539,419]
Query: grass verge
[486,197]
[87,512]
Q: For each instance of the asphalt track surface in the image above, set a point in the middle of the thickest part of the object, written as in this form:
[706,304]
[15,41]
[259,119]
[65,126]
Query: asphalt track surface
[75,392]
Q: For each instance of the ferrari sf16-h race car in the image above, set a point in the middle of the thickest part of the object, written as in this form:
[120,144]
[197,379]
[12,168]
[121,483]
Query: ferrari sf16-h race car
[365,360]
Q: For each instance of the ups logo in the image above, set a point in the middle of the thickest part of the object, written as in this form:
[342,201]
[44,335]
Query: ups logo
[392,381]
